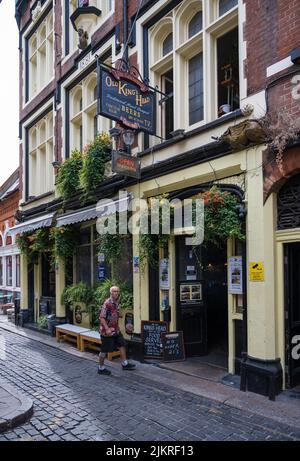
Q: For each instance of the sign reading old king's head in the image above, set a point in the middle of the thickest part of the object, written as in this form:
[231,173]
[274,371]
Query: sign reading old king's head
[126,101]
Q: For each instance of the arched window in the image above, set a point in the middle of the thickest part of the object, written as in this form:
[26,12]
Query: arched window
[168,44]
[288,204]
[195,24]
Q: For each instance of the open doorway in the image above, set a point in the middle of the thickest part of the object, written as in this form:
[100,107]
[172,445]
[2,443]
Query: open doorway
[202,305]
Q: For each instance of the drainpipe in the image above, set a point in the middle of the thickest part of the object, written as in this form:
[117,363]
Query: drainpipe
[125,29]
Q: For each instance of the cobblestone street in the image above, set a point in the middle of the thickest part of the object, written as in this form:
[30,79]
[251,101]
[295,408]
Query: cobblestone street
[72,402]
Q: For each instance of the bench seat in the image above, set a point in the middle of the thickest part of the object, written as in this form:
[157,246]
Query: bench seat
[66,331]
[92,340]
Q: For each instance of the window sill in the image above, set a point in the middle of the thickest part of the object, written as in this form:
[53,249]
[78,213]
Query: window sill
[189,134]
[38,197]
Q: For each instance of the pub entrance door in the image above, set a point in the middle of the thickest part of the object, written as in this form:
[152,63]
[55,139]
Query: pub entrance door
[292,313]
[202,306]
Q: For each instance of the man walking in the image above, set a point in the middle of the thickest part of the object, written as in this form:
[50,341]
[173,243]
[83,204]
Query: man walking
[111,336]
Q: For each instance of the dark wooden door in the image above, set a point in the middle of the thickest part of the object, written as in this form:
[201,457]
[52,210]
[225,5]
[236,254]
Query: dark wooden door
[292,312]
[191,305]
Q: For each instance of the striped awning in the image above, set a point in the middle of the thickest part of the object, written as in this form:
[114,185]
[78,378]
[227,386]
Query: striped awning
[104,207]
[32,224]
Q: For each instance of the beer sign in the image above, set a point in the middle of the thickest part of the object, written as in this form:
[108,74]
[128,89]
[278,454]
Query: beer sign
[125,99]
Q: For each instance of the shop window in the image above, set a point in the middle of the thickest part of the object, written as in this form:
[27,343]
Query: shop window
[83,264]
[168,44]
[228,72]
[1,271]
[18,271]
[168,105]
[124,266]
[226,5]
[48,276]
[196,103]
[195,24]
[9,271]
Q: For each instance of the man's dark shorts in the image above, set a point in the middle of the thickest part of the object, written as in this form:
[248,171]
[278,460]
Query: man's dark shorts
[112,343]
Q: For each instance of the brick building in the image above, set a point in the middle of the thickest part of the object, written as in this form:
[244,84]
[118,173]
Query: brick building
[9,252]
[221,66]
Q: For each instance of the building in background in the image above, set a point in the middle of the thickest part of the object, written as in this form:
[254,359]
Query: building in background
[220,67]
[9,252]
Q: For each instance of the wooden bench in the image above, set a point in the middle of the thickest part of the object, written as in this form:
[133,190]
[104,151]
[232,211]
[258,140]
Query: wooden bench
[92,340]
[70,332]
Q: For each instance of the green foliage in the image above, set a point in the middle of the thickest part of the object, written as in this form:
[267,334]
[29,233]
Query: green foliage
[67,180]
[96,154]
[65,241]
[221,220]
[42,322]
[111,245]
[32,243]
[80,293]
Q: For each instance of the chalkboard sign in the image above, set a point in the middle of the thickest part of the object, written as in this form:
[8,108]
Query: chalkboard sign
[151,338]
[173,346]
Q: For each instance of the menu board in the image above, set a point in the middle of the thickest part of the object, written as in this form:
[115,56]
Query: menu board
[151,338]
[173,346]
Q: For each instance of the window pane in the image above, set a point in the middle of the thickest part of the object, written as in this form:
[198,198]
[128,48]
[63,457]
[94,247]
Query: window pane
[226,5]
[196,89]
[228,72]
[83,264]
[48,276]
[9,271]
[168,44]
[195,24]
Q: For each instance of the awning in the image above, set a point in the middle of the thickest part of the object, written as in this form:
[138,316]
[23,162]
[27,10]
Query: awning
[104,207]
[32,224]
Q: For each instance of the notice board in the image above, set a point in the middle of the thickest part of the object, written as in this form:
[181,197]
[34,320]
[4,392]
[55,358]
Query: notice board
[173,346]
[151,338]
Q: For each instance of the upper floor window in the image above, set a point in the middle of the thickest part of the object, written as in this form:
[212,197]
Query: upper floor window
[195,65]
[84,122]
[195,24]
[40,57]
[1,271]
[168,44]
[226,5]
[40,157]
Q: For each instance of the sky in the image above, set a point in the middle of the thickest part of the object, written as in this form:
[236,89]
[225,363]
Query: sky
[9,90]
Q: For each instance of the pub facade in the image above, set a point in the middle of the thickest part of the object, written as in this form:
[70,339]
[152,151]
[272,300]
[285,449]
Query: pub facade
[215,135]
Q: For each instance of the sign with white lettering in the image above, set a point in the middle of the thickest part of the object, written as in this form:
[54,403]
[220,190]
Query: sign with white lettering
[126,100]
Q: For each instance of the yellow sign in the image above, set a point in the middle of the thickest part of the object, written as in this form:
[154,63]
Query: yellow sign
[257,272]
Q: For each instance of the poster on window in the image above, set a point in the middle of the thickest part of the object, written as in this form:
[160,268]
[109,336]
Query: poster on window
[235,275]
[164,275]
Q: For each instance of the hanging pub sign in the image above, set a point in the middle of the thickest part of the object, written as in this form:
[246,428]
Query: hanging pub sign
[125,98]
[126,164]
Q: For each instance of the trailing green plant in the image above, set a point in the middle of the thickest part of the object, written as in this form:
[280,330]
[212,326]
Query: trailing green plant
[65,239]
[221,218]
[42,322]
[111,246]
[79,293]
[149,244]
[68,177]
[32,243]
[95,156]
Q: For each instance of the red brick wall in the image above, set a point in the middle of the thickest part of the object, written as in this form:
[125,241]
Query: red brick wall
[271,31]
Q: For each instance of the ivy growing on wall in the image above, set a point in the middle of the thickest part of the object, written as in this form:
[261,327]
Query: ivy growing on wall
[68,177]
